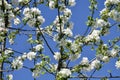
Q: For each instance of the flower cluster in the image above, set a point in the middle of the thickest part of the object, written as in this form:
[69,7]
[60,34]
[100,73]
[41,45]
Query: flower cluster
[115,15]
[109,2]
[95,64]
[109,11]
[86,65]
[53,3]
[7,16]
[100,23]
[64,73]
[17,63]
[10,13]
[62,20]
[32,16]
[73,49]
[93,36]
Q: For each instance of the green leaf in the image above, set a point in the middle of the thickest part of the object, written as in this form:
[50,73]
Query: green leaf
[104,78]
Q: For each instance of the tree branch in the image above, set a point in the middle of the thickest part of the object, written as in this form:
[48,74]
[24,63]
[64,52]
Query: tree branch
[46,41]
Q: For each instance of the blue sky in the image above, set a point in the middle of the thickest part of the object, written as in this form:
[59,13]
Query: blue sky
[79,18]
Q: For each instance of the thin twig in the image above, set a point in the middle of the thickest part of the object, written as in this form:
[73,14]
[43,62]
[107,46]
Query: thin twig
[46,41]
[95,77]
[92,74]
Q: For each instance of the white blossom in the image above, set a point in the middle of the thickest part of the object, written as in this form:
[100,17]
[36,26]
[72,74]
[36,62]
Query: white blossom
[111,2]
[95,64]
[11,41]
[51,4]
[10,77]
[38,47]
[7,5]
[93,35]
[26,11]
[32,16]
[24,56]
[32,22]
[74,46]
[16,21]
[68,32]
[65,72]
[31,55]
[74,56]
[23,1]
[113,53]
[20,1]
[8,51]
[69,41]
[100,23]
[95,32]
[57,55]
[71,2]
[105,58]
[67,12]
[115,15]
[54,66]
[35,73]
[117,64]
[41,19]
[17,63]
[85,61]
[35,11]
